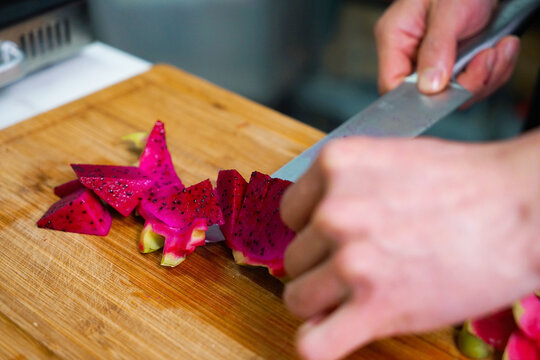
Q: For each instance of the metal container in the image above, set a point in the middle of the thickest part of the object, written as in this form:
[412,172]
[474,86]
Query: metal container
[42,39]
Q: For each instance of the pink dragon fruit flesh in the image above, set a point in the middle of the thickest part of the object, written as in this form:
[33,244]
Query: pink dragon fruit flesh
[176,243]
[259,236]
[179,208]
[231,187]
[520,347]
[480,337]
[156,161]
[67,188]
[122,187]
[251,204]
[79,212]
[527,314]
[179,244]
[494,329]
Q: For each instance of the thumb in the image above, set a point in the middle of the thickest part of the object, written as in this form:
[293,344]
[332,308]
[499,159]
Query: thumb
[448,22]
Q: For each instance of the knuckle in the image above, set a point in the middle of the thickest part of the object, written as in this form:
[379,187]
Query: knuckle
[328,156]
[292,297]
[289,259]
[347,263]
[338,154]
[328,219]
[286,203]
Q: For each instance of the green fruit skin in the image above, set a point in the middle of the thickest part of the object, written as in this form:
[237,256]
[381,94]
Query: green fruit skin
[472,346]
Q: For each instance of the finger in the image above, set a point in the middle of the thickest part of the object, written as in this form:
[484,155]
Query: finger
[315,292]
[338,334]
[397,38]
[507,54]
[300,199]
[448,22]
[473,79]
[479,71]
[307,250]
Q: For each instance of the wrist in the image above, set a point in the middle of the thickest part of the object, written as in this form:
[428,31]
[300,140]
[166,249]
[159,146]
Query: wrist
[524,161]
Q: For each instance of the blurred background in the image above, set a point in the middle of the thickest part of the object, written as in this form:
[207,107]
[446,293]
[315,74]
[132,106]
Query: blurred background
[314,60]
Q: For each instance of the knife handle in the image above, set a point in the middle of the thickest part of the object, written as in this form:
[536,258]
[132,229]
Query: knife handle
[508,19]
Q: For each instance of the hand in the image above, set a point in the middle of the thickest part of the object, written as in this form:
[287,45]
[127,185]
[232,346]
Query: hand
[424,34]
[399,236]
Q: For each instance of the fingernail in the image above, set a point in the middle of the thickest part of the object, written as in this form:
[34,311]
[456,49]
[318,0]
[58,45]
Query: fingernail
[306,327]
[490,60]
[430,80]
[310,324]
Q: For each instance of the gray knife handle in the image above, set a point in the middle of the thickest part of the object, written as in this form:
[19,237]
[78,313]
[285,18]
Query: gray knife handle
[509,16]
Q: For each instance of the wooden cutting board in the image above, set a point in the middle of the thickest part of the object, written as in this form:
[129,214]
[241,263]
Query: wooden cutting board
[74,296]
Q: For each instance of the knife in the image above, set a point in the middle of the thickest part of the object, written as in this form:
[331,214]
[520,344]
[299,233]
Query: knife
[404,111]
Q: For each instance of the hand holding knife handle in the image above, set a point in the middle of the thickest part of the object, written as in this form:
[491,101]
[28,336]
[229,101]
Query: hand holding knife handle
[404,111]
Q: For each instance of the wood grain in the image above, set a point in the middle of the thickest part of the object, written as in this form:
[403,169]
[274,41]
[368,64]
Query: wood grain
[74,296]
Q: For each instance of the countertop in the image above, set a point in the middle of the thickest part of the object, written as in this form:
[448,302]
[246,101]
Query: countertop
[96,67]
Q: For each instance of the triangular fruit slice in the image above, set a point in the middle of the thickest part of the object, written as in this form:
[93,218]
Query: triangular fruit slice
[260,232]
[156,161]
[230,188]
[67,188]
[251,205]
[79,212]
[520,347]
[121,187]
[176,244]
[527,314]
[180,244]
[180,208]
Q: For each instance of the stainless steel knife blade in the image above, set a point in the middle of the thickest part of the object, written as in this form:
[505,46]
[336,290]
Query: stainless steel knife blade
[403,112]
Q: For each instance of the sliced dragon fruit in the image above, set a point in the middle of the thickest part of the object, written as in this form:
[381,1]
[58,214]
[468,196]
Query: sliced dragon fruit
[485,335]
[180,208]
[179,244]
[230,189]
[492,332]
[150,241]
[259,236]
[251,205]
[67,188]
[156,161]
[494,329]
[260,228]
[527,315]
[79,212]
[520,347]
[175,217]
[121,187]
[472,346]
[176,244]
